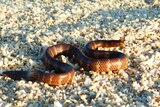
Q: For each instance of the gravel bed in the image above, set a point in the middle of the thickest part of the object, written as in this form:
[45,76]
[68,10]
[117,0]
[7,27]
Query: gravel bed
[28,27]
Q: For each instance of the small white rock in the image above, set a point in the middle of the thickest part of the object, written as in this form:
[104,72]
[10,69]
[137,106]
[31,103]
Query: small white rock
[57,104]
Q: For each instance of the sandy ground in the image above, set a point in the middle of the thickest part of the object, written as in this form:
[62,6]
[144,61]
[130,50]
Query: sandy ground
[29,27]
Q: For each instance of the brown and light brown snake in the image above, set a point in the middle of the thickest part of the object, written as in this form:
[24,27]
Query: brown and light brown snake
[93,59]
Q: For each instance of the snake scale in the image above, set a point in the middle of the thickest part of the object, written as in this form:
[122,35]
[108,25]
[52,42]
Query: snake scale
[93,59]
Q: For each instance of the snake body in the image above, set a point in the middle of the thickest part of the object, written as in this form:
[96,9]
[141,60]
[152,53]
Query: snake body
[93,59]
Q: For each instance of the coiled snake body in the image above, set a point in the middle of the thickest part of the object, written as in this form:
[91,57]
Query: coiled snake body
[99,61]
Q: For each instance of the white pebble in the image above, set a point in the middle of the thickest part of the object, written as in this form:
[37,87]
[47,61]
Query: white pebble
[57,104]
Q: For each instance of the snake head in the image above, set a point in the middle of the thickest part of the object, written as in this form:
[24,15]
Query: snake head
[122,40]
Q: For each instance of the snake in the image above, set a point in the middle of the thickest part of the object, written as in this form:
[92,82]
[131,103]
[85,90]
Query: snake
[91,58]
